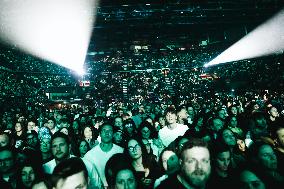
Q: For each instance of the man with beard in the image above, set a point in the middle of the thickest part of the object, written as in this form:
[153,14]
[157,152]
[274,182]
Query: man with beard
[195,167]
[60,148]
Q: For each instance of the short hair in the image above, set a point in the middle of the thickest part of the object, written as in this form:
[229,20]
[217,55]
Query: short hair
[103,125]
[68,168]
[116,163]
[59,134]
[171,110]
[217,148]
[194,142]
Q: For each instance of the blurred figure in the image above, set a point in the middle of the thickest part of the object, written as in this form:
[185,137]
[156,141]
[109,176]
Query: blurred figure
[70,174]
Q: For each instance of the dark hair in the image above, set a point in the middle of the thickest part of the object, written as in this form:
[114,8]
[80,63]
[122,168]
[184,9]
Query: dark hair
[146,158]
[103,125]
[149,126]
[171,110]
[116,163]
[68,168]
[36,168]
[59,134]
[45,179]
[217,148]
[194,142]
[160,161]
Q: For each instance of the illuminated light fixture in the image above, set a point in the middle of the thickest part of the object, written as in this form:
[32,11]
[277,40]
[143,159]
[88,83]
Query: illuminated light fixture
[266,39]
[58,31]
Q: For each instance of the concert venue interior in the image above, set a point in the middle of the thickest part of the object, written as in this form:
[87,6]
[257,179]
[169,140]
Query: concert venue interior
[211,66]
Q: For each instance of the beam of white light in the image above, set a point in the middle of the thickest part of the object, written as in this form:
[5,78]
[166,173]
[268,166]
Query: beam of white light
[266,39]
[55,30]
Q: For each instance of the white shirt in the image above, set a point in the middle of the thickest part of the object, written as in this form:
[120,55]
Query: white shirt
[99,158]
[95,180]
[169,135]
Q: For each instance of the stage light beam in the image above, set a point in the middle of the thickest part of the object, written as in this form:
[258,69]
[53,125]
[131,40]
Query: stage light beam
[266,39]
[58,31]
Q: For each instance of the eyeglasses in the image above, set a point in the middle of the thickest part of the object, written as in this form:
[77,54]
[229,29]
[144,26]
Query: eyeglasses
[136,147]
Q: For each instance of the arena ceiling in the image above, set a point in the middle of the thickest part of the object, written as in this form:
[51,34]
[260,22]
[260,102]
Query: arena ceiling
[158,24]
[120,24]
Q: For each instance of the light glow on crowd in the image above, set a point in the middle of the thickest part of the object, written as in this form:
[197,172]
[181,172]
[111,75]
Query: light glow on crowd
[266,39]
[58,31]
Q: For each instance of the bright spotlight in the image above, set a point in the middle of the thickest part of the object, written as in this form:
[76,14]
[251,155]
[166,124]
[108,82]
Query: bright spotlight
[55,30]
[265,40]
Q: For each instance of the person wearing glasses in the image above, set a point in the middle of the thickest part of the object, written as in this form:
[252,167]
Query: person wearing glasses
[144,164]
[100,154]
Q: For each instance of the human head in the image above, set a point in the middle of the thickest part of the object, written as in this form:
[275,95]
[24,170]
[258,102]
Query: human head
[18,127]
[119,173]
[195,163]
[216,124]
[31,126]
[248,178]
[84,147]
[169,161]
[228,137]
[7,160]
[273,112]
[45,144]
[51,123]
[258,126]
[32,139]
[134,149]
[87,132]
[233,110]
[182,113]
[106,133]
[145,130]
[129,127]
[118,122]
[171,115]
[4,139]
[70,174]
[263,156]
[60,146]
[278,136]
[27,174]
[221,156]
[118,137]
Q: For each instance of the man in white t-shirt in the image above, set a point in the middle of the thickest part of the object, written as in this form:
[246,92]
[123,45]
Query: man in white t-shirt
[173,129]
[60,147]
[100,154]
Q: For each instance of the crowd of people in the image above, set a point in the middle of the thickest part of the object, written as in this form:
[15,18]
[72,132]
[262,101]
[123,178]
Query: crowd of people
[171,128]
[222,140]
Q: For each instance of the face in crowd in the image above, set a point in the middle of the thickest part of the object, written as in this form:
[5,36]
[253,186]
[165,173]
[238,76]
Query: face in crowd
[31,126]
[45,144]
[249,180]
[27,176]
[60,148]
[6,161]
[134,149]
[125,179]
[106,134]
[195,166]
[171,118]
[170,161]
